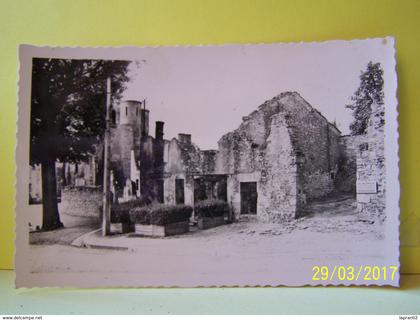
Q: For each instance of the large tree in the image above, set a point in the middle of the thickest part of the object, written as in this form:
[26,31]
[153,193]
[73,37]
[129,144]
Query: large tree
[68,117]
[370,91]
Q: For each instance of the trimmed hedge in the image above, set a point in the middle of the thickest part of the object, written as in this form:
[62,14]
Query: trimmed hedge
[120,212]
[160,214]
[211,209]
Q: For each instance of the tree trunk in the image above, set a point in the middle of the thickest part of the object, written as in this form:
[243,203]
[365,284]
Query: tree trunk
[50,214]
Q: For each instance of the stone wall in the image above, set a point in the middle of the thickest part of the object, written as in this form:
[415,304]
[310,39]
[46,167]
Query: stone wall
[371,184]
[81,201]
[316,142]
[190,156]
[126,136]
[279,174]
[122,139]
[181,160]
[147,186]
[208,161]
[346,175]
[261,151]
[289,149]
[317,185]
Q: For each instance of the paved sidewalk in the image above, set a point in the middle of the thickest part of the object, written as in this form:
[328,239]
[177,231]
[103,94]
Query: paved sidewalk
[95,240]
[127,241]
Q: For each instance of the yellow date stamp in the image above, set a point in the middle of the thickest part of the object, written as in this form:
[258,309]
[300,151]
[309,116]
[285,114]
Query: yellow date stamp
[354,273]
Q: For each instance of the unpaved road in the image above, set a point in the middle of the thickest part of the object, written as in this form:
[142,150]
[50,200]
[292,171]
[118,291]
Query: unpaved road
[245,253]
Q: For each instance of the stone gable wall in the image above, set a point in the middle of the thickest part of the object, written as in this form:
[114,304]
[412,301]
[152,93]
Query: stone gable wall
[261,151]
[289,148]
[182,157]
[316,143]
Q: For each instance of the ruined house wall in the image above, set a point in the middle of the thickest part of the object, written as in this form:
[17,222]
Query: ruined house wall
[346,176]
[147,186]
[371,181]
[122,142]
[126,136]
[261,151]
[316,142]
[169,188]
[289,148]
[182,157]
[241,150]
[184,160]
[208,161]
[190,155]
[279,176]
[286,146]
[174,169]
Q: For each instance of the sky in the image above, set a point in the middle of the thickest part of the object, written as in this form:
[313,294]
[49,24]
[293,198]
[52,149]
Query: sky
[205,91]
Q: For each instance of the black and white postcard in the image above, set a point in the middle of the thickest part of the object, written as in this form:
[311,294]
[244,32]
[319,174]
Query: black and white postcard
[230,165]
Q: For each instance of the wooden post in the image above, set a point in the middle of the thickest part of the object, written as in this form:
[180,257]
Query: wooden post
[106,205]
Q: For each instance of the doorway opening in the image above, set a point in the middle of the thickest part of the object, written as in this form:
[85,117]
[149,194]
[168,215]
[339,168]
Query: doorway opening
[249,197]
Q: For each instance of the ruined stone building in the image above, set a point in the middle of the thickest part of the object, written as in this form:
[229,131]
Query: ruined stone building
[284,155]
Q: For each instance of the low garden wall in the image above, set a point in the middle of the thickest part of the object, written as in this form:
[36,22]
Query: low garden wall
[81,201]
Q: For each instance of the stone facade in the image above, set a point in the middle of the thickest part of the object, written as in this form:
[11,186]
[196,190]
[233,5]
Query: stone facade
[282,156]
[371,182]
[288,149]
[130,127]
[346,176]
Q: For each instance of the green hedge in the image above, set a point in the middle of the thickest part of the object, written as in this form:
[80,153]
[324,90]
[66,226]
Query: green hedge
[160,214]
[211,209]
[120,212]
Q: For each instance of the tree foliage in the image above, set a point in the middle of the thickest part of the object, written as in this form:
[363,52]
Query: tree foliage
[370,91]
[68,105]
[68,116]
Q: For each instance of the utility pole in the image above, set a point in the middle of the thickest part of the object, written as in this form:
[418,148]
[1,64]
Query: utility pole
[106,205]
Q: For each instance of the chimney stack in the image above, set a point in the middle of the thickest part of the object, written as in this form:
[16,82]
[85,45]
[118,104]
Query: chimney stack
[144,122]
[159,130]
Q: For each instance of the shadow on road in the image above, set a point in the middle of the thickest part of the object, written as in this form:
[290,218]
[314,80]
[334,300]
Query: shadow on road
[74,227]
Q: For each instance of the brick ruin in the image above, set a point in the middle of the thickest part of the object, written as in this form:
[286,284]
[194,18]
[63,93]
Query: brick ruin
[283,156]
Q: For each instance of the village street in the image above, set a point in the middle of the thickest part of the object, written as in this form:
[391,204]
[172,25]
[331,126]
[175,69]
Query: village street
[246,252]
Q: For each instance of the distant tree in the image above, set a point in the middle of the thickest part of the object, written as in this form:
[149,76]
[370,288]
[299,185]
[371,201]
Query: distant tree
[370,91]
[68,117]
